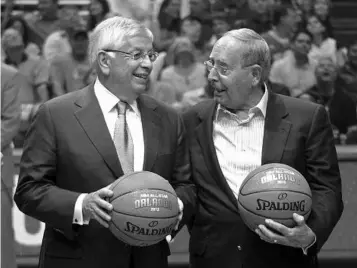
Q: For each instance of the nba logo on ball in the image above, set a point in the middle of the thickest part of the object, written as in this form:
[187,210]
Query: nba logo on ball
[274,191]
[145,209]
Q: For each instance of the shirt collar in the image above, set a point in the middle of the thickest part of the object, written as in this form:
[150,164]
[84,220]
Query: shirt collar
[262,105]
[107,100]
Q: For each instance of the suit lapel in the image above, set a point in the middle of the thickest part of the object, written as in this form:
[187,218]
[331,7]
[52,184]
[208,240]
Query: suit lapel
[276,130]
[204,135]
[151,121]
[90,117]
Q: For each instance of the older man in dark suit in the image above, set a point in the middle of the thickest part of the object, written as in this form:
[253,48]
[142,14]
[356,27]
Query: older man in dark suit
[81,142]
[11,83]
[244,127]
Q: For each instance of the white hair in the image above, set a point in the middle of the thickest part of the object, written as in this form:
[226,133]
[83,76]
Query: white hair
[255,49]
[110,33]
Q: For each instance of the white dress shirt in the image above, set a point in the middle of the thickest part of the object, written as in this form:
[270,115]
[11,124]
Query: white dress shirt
[107,102]
[239,143]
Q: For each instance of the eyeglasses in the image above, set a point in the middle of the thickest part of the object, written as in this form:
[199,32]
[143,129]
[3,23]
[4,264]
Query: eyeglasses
[220,69]
[137,55]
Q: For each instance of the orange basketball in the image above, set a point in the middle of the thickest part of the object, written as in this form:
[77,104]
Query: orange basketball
[274,191]
[145,208]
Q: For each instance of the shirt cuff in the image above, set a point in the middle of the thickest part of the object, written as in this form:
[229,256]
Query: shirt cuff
[78,213]
[304,250]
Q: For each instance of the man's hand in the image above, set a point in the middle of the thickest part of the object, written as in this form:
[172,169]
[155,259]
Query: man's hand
[300,236]
[96,207]
[169,237]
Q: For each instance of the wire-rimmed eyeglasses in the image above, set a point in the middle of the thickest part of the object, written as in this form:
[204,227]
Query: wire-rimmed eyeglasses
[220,69]
[137,55]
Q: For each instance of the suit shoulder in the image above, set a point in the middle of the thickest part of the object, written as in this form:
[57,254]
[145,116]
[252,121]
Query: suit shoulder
[300,110]
[65,99]
[162,107]
[298,105]
[201,107]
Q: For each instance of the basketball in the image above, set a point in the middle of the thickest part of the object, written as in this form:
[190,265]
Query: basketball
[274,191]
[145,208]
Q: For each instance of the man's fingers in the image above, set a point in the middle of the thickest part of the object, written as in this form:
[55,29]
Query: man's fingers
[101,214]
[100,220]
[104,204]
[277,227]
[300,220]
[263,236]
[104,193]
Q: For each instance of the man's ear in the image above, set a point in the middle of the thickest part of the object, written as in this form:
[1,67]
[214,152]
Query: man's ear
[104,62]
[257,73]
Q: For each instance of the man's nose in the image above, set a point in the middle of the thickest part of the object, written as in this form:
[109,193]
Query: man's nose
[213,75]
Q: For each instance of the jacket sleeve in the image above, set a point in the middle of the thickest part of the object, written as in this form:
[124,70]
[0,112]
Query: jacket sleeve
[182,180]
[324,179]
[37,194]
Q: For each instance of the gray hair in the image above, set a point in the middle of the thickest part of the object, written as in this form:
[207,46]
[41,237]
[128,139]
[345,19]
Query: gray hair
[110,33]
[255,49]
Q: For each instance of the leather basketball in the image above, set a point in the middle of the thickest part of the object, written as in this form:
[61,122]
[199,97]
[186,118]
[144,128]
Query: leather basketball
[274,191]
[145,208]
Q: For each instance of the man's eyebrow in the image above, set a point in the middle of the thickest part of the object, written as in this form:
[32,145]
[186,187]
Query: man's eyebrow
[219,62]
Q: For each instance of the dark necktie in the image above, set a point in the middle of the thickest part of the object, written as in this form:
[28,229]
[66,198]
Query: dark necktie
[122,139]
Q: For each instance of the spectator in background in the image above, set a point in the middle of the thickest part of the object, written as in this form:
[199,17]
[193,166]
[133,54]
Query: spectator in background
[202,9]
[69,72]
[322,10]
[322,45]
[220,25]
[191,98]
[165,92]
[11,84]
[44,23]
[296,70]
[57,44]
[260,17]
[36,72]
[183,71]
[19,24]
[347,77]
[168,24]
[191,27]
[35,69]
[98,10]
[341,109]
[285,24]
[303,8]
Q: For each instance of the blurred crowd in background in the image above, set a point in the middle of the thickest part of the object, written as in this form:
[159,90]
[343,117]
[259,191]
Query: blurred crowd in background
[49,46]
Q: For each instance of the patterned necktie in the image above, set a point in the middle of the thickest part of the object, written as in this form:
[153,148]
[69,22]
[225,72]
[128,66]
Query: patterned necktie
[122,139]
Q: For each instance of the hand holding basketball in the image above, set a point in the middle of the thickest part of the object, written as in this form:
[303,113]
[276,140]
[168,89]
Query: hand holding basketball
[169,237]
[96,207]
[299,236]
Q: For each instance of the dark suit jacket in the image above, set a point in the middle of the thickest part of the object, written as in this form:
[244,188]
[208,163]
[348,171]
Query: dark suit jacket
[69,151]
[296,133]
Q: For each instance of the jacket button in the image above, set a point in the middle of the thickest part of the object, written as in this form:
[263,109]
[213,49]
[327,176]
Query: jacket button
[239,248]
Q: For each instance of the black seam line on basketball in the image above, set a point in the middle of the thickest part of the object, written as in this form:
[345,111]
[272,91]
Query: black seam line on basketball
[268,217]
[141,190]
[116,227]
[145,217]
[272,190]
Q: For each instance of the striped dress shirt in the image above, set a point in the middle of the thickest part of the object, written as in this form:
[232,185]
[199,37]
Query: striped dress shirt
[238,142]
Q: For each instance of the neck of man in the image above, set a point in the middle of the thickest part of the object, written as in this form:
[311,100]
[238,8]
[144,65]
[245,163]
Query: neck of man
[124,93]
[318,38]
[253,99]
[301,59]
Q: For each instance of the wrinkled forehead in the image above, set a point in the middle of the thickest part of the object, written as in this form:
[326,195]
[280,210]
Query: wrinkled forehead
[140,40]
[227,51]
